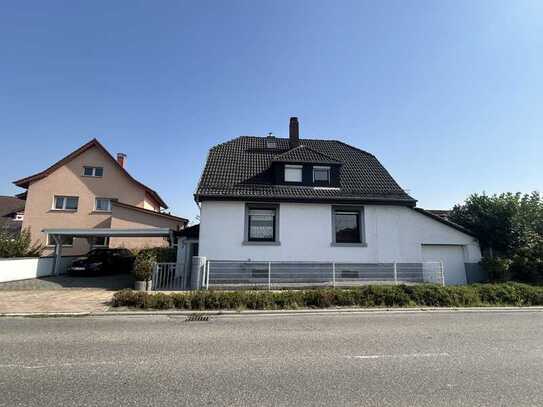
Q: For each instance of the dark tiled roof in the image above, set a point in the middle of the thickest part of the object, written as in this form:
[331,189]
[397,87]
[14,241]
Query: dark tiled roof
[190,232]
[10,204]
[240,169]
[304,154]
[442,213]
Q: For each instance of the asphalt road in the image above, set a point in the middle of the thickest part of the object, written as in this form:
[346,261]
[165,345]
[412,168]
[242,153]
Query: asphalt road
[415,359]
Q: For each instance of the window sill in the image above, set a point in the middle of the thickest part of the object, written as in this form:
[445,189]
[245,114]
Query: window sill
[92,176]
[334,244]
[63,210]
[52,246]
[100,211]
[255,243]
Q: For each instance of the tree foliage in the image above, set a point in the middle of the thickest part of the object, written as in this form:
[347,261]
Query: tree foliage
[18,245]
[509,227]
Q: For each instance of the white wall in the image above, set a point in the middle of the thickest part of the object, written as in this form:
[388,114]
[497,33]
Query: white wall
[22,269]
[393,233]
[14,269]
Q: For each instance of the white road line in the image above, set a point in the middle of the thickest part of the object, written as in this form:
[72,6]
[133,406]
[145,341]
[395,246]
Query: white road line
[406,355]
[57,365]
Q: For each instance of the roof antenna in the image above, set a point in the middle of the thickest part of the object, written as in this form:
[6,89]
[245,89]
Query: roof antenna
[270,134]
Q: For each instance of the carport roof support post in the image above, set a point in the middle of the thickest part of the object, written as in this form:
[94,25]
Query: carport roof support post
[58,253]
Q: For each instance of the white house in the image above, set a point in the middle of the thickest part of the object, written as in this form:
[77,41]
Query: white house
[278,199]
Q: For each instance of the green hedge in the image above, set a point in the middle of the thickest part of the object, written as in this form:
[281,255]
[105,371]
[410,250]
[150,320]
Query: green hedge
[368,296]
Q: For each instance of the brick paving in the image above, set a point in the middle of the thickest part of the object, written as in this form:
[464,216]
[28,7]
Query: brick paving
[61,294]
[85,300]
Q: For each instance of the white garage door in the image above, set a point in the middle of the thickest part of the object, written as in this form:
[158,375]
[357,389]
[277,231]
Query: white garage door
[452,257]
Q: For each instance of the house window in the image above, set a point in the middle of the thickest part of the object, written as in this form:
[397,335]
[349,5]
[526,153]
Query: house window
[348,225]
[102,205]
[100,241]
[93,171]
[262,224]
[66,241]
[19,216]
[321,174]
[65,203]
[293,173]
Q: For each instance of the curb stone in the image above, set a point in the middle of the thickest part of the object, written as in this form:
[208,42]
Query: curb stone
[230,313]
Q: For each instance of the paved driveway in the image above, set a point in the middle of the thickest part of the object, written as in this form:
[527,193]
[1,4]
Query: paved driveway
[86,300]
[61,294]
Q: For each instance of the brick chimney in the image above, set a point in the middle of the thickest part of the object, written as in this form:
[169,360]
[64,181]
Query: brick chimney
[121,158]
[294,132]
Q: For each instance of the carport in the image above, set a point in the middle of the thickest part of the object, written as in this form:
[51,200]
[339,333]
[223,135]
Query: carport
[56,235]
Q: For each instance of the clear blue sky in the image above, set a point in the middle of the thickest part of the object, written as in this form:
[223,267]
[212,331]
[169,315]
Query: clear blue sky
[447,94]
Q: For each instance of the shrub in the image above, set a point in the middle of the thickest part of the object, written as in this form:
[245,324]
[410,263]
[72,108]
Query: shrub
[496,268]
[143,268]
[368,296]
[18,245]
[527,263]
[157,254]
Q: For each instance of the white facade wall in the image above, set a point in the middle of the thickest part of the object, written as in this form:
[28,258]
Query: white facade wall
[393,233]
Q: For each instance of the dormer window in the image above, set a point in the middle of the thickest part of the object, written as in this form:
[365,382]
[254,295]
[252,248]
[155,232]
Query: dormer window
[293,173]
[93,171]
[321,174]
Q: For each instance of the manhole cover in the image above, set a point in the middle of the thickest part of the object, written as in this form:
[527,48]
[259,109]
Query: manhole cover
[197,317]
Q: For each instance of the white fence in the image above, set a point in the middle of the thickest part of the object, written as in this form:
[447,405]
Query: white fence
[166,278]
[275,275]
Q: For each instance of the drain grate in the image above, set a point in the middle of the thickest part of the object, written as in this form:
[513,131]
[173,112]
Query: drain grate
[197,317]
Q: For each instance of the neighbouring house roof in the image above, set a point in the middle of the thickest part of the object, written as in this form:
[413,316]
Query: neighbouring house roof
[25,182]
[445,221]
[191,232]
[10,205]
[241,169]
[149,212]
[442,213]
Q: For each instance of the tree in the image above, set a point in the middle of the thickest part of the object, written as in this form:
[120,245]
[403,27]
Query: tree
[510,229]
[492,219]
[18,245]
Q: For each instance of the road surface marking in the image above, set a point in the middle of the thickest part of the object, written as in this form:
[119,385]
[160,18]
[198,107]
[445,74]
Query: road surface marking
[58,365]
[406,355]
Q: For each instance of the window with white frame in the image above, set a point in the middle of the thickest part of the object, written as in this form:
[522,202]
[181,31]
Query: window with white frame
[66,241]
[19,216]
[65,203]
[321,174]
[102,205]
[93,171]
[293,173]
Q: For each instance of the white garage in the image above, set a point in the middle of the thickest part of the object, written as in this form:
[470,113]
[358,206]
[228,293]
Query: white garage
[452,257]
